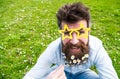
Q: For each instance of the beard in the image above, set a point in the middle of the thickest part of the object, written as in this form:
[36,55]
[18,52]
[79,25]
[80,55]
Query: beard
[78,50]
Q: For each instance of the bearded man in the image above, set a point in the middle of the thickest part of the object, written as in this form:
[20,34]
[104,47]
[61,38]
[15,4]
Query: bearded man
[75,51]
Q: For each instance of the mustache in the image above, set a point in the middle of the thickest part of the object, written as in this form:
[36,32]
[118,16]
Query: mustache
[80,45]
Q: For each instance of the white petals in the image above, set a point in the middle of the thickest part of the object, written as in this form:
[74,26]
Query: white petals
[83,57]
[86,55]
[72,57]
[78,60]
[74,61]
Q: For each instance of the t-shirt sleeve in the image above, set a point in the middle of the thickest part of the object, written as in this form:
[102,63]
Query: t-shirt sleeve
[43,64]
[104,64]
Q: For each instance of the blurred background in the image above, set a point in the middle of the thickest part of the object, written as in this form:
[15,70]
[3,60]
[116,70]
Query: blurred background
[28,26]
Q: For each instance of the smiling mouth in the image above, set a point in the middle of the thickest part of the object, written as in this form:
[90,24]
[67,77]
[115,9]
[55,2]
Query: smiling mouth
[74,49]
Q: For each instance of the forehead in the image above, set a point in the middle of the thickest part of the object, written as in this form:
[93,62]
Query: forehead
[75,25]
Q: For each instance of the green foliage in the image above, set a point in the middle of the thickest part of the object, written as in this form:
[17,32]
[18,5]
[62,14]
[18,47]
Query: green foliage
[28,26]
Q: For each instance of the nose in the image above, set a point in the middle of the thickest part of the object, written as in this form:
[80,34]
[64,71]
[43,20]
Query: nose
[74,39]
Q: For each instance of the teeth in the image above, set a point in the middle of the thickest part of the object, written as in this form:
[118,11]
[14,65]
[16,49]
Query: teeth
[72,57]
[74,47]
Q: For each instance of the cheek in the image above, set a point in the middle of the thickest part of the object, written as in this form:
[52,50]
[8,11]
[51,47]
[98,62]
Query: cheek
[84,40]
[65,41]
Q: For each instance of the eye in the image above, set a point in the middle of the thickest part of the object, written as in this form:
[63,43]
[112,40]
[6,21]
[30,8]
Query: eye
[67,32]
[81,31]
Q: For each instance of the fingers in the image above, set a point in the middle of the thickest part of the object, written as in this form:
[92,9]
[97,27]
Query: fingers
[63,76]
[58,73]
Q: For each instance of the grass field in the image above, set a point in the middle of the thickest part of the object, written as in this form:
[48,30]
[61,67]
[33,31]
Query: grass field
[28,26]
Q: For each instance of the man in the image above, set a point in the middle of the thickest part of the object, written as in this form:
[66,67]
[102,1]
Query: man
[75,51]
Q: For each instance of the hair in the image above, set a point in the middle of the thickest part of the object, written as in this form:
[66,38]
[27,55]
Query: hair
[71,13]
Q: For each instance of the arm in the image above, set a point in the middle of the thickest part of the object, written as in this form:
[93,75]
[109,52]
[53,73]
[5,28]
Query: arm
[104,64]
[43,64]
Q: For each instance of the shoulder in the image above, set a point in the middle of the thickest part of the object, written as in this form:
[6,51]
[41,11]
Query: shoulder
[55,43]
[94,42]
[50,52]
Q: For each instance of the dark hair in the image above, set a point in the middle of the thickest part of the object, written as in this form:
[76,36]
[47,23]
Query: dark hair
[71,13]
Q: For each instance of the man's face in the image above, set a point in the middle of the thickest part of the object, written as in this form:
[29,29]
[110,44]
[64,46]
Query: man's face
[75,40]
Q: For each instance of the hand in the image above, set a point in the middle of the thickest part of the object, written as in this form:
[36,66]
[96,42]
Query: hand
[57,73]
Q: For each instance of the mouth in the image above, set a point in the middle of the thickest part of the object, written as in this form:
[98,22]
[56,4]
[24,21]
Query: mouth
[74,49]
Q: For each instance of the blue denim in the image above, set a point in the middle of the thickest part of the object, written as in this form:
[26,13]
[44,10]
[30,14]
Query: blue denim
[89,74]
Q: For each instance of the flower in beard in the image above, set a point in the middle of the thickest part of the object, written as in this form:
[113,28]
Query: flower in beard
[77,50]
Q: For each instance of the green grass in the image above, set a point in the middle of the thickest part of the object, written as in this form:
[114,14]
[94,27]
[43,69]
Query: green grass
[28,26]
